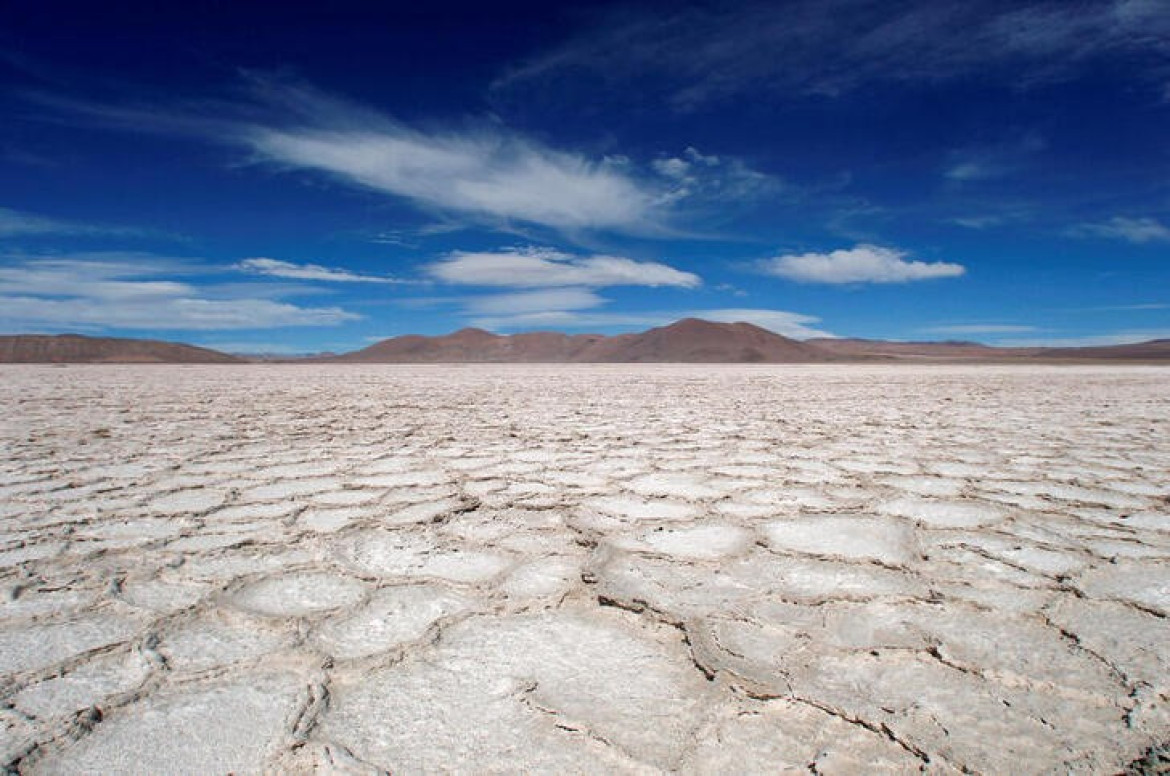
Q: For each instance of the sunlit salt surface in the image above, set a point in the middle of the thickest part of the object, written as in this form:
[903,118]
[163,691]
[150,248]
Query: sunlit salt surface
[583,569]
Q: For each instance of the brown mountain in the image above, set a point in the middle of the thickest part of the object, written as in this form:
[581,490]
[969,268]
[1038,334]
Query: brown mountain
[686,341]
[696,341]
[690,340]
[78,349]
[474,346]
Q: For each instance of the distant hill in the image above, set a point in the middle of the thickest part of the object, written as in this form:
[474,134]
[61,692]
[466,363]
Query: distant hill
[474,346]
[78,349]
[919,351]
[697,341]
[687,341]
[1153,350]
[692,340]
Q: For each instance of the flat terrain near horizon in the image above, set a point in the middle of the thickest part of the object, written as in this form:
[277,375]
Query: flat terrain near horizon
[583,569]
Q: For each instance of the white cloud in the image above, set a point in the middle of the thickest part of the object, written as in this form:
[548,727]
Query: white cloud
[488,173]
[501,176]
[483,173]
[708,178]
[563,285]
[1134,230]
[672,168]
[795,325]
[168,313]
[125,291]
[861,264]
[285,269]
[110,277]
[546,268]
[697,157]
[543,300]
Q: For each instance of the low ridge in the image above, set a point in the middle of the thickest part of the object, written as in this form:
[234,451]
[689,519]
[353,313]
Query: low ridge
[687,341]
[919,351]
[79,349]
[1151,350]
[690,340]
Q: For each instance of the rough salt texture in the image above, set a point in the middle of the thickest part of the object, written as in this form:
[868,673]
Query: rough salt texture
[585,569]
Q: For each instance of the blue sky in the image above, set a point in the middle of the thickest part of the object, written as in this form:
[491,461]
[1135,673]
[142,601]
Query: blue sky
[285,178]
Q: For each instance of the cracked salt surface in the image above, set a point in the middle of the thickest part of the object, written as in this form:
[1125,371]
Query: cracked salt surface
[856,538]
[587,569]
[296,595]
[224,727]
[393,616]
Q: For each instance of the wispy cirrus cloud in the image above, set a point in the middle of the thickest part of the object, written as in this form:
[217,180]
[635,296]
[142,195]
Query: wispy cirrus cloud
[286,269]
[990,162]
[545,267]
[1134,230]
[699,54]
[481,171]
[982,221]
[135,291]
[18,223]
[15,222]
[527,302]
[861,264]
[709,177]
[484,173]
[790,324]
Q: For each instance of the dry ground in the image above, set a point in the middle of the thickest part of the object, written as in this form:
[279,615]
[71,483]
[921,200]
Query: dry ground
[561,569]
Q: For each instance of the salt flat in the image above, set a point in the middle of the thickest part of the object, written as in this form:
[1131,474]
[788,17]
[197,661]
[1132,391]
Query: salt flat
[585,569]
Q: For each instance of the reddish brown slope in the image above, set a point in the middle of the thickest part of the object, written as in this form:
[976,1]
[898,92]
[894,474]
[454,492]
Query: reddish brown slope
[77,349]
[475,346]
[689,340]
[463,345]
[696,341]
[547,346]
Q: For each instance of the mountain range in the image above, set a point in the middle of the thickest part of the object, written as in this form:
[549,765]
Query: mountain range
[687,341]
[78,349]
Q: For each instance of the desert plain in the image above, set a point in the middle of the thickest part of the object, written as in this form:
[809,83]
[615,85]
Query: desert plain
[584,569]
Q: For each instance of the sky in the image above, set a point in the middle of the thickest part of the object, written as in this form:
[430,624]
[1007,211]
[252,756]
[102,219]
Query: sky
[304,177]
